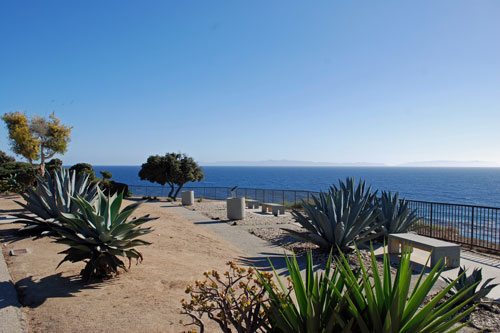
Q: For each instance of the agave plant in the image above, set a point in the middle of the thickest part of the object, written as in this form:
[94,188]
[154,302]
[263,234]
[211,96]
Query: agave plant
[395,215]
[379,303]
[98,234]
[337,219]
[474,279]
[51,197]
[313,305]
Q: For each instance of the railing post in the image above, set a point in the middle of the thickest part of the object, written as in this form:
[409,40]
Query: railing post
[283,197]
[472,229]
[430,231]
[295,198]
[273,197]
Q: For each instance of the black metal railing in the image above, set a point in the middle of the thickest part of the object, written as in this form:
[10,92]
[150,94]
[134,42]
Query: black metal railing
[476,226]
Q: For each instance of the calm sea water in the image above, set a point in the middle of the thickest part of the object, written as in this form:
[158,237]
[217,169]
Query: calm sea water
[474,186]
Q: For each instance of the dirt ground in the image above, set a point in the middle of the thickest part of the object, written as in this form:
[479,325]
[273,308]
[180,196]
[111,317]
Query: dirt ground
[145,299]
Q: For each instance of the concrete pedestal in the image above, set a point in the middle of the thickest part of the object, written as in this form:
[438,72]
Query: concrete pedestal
[235,208]
[187,198]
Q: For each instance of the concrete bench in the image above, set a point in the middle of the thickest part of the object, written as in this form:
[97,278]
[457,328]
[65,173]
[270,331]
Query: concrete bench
[252,203]
[275,208]
[440,249]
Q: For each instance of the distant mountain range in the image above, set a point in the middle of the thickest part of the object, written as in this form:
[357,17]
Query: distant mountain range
[287,163]
[456,164]
[284,163]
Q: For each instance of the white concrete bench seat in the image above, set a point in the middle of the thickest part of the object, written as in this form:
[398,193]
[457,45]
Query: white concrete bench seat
[275,208]
[252,203]
[450,252]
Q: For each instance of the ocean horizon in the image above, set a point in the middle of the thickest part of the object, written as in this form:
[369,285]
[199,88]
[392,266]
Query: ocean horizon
[471,186]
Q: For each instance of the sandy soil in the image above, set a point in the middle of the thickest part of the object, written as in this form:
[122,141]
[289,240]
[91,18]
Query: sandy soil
[146,299]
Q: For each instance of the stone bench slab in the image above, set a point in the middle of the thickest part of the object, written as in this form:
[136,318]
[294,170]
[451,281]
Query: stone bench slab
[252,203]
[275,208]
[450,252]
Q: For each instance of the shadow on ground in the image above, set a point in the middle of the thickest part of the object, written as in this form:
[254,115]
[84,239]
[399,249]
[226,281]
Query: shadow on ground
[34,293]
[10,235]
[5,301]
[264,261]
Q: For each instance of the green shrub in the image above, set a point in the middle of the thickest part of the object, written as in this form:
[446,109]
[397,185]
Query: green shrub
[200,199]
[16,176]
[110,187]
[237,299]
[53,165]
[106,174]
[4,158]
[344,215]
[98,234]
[82,169]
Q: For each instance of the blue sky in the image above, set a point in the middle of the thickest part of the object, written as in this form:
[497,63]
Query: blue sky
[333,81]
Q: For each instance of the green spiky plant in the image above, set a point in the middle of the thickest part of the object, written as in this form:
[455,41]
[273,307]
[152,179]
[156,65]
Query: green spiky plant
[51,197]
[313,305]
[379,303]
[343,300]
[98,234]
[395,215]
[474,279]
[339,218]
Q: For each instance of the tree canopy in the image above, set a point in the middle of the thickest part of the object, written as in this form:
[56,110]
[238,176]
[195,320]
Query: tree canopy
[84,169]
[53,164]
[172,169]
[36,138]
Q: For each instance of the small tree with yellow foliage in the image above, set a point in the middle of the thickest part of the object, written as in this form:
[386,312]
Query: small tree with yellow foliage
[36,138]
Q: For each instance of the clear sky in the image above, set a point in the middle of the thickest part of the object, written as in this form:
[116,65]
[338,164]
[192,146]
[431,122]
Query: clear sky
[333,81]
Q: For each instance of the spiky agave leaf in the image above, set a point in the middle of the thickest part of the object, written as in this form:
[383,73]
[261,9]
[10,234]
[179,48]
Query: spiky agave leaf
[100,233]
[380,303]
[339,218]
[395,215]
[474,279]
[52,197]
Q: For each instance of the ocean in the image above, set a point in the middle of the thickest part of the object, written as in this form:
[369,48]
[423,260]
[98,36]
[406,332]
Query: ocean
[472,186]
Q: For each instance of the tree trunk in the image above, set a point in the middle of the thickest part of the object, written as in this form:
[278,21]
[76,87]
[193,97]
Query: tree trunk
[42,162]
[171,191]
[177,192]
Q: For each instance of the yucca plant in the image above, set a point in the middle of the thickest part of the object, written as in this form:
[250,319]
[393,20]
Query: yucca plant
[379,303]
[51,197]
[395,215]
[313,305]
[337,219]
[474,279]
[98,234]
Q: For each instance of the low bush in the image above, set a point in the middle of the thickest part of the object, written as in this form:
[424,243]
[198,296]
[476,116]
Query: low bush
[237,299]
[16,176]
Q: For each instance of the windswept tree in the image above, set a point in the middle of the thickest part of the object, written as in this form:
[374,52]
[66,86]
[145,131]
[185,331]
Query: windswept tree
[172,169]
[36,138]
